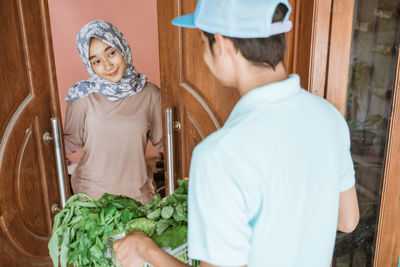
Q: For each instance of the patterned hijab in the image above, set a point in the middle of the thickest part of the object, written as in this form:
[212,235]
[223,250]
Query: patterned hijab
[130,84]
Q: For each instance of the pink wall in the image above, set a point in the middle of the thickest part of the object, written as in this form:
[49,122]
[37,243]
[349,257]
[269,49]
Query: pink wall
[136,19]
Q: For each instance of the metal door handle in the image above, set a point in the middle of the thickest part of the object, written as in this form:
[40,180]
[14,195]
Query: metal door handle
[170,150]
[55,208]
[47,138]
[177,126]
[59,152]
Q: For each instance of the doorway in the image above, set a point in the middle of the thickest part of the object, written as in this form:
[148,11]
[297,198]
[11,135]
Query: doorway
[137,20]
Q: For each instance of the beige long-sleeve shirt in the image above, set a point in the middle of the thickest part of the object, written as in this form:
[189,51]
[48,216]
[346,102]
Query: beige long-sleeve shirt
[113,136]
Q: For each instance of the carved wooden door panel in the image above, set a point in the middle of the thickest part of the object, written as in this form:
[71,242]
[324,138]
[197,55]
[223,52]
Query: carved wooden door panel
[28,183]
[199,102]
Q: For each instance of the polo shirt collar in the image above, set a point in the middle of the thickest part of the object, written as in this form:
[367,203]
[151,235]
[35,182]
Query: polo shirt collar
[267,94]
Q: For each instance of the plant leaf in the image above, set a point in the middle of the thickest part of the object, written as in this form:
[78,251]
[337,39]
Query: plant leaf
[162,225]
[53,246]
[154,214]
[167,212]
[65,247]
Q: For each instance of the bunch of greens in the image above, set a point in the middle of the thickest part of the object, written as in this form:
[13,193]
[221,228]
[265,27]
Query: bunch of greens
[82,228]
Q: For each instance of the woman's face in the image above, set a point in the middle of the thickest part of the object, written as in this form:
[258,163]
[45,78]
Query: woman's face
[106,62]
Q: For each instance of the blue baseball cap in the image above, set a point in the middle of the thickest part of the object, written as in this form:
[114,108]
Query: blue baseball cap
[237,18]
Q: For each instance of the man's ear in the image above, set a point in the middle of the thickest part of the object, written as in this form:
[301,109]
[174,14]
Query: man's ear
[224,45]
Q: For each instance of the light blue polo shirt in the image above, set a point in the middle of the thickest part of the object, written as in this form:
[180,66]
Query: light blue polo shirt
[264,189]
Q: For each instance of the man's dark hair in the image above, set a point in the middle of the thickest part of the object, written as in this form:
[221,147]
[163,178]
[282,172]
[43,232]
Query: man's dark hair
[260,51]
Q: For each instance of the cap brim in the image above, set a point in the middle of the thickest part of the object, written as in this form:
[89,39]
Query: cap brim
[186,21]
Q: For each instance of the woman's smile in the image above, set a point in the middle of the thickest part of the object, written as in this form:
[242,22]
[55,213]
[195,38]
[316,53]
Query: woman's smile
[113,74]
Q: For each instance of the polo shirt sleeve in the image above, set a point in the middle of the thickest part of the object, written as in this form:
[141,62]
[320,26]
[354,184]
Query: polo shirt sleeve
[219,229]
[347,178]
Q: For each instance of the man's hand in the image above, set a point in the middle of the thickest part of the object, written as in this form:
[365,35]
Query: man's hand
[132,249]
[137,248]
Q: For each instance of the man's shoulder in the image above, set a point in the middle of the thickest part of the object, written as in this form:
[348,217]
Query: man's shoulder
[217,149]
[217,140]
[323,106]
[210,143]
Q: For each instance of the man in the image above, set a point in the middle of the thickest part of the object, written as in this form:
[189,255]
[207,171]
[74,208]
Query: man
[272,186]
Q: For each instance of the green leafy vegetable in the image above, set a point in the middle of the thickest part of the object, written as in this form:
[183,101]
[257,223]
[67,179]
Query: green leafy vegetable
[82,229]
[172,238]
[141,224]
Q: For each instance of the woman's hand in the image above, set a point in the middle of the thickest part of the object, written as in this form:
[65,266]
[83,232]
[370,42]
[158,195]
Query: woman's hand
[132,249]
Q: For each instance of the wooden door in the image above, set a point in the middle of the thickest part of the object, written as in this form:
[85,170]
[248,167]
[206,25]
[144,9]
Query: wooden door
[28,181]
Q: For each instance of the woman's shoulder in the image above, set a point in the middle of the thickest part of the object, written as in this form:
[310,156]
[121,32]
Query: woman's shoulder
[151,88]
[79,102]
[150,92]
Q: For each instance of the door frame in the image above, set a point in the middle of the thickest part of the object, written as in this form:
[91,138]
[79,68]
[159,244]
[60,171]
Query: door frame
[387,249]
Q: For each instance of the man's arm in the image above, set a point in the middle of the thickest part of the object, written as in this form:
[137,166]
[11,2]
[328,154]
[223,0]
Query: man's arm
[349,214]
[137,248]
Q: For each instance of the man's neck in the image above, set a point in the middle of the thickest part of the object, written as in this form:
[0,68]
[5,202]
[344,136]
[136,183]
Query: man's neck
[252,76]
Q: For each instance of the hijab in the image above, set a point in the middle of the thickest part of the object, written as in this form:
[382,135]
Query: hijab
[131,82]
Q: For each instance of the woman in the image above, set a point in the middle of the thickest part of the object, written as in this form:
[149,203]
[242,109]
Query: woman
[111,116]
